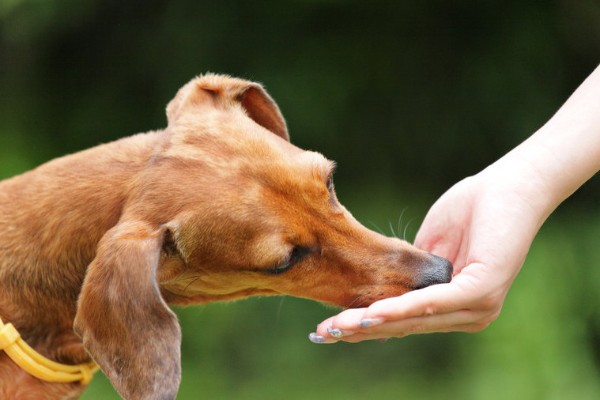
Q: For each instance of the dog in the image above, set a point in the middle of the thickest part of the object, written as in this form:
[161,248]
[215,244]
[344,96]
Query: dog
[217,206]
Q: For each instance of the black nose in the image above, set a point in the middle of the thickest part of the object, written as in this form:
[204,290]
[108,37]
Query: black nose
[435,270]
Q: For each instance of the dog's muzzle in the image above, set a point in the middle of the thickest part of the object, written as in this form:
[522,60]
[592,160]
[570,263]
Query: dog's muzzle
[435,270]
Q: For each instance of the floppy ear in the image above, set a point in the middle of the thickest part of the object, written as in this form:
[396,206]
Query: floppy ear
[125,324]
[222,91]
[263,110]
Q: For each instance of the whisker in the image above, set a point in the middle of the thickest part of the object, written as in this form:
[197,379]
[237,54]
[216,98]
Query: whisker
[279,308]
[399,226]
[194,279]
[392,229]
[354,302]
[377,227]
[406,228]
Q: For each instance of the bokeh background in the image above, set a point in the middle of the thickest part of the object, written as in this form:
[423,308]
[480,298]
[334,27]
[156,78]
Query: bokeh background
[408,97]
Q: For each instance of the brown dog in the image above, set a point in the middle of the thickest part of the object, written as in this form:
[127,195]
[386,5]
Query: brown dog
[218,206]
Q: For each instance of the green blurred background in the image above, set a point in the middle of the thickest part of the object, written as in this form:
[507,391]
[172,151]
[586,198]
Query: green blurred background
[407,97]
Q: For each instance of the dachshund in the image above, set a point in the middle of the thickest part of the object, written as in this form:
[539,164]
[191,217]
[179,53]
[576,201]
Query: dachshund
[217,206]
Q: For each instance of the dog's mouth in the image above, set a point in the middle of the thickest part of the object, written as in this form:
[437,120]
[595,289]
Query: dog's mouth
[433,270]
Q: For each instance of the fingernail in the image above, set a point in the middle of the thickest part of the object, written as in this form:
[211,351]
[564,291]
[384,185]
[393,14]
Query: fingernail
[336,333]
[369,322]
[313,337]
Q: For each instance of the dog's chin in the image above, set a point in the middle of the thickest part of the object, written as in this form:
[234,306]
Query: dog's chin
[197,297]
[367,299]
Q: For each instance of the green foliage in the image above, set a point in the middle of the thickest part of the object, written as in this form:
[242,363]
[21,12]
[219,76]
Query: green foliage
[407,97]
[419,92]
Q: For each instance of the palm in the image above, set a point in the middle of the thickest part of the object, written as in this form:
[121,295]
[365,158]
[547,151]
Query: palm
[485,228]
[445,230]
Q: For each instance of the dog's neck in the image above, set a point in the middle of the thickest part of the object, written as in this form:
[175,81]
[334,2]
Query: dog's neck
[44,253]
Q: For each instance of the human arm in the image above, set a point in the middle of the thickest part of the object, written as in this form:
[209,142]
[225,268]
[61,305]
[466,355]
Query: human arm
[485,225]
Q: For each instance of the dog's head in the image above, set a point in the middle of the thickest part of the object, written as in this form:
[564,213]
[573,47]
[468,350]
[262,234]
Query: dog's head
[228,208]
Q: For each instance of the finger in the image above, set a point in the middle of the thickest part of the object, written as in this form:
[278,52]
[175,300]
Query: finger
[361,337]
[417,325]
[347,321]
[331,331]
[429,324]
[432,300]
[463,292]
[383,336]
[460,321]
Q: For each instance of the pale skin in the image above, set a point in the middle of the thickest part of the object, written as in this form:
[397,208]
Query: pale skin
[485,225]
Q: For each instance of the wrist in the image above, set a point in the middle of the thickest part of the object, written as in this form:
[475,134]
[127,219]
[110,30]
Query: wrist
[563,154]
[544,170]
[521,177]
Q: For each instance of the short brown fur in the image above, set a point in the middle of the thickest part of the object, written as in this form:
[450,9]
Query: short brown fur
[94,245]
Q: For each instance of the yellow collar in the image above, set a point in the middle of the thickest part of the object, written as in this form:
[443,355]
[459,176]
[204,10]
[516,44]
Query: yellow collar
[38,365]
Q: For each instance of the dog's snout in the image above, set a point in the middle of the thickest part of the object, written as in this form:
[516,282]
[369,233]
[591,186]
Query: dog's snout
[435,270]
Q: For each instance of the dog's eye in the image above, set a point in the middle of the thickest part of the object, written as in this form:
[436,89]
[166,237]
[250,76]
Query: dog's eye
[297,254]
[330,185]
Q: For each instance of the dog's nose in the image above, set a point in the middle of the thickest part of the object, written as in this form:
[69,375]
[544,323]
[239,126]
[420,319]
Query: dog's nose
[435,270]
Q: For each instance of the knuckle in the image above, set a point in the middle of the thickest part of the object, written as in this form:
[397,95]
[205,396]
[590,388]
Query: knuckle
[474,328]
[428,309]
[489,318]
[485,321]
[415,328]
[491,302]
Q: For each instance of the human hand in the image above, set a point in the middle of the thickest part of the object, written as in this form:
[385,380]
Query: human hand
[484,225]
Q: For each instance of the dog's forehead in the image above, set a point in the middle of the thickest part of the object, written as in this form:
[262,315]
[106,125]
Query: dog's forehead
[216,135]
[231,141]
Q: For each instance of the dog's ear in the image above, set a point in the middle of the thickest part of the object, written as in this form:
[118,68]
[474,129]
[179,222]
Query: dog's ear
[223,91]
[124,322]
